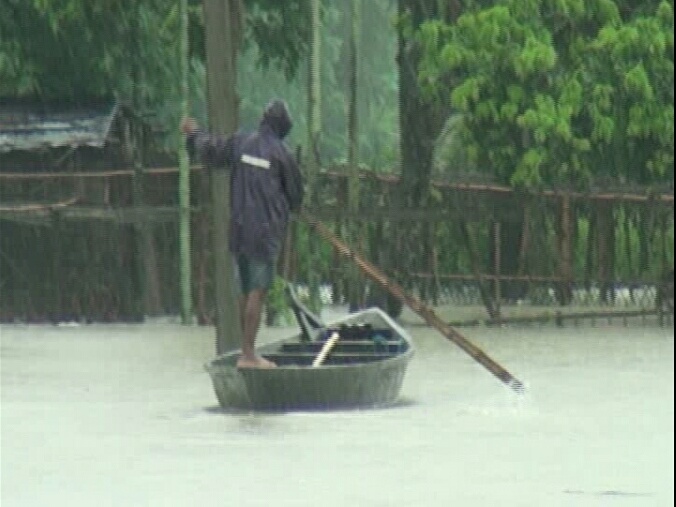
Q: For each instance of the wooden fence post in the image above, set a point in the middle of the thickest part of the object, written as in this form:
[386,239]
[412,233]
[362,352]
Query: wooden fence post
[565,242]
[497,263]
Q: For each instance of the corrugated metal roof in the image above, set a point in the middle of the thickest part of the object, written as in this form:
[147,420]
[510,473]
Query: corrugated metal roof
[31,127]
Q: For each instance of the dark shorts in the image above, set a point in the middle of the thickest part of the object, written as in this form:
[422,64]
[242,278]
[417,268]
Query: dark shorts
[254,274]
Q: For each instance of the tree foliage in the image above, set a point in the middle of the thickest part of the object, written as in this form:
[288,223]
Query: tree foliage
[68,50]
[558,91]
[74,50]
[261,78]
[281,30]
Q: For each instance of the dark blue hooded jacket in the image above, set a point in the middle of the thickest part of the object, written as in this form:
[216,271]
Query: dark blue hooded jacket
[266,184]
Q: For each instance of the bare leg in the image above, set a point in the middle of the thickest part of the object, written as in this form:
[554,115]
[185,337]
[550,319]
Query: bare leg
[242,310]
[251,320]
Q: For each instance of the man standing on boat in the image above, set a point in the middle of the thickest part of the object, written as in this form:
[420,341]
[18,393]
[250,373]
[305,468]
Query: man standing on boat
[266,185]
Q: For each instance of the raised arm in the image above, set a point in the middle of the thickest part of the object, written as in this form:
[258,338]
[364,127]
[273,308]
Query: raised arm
[210,149]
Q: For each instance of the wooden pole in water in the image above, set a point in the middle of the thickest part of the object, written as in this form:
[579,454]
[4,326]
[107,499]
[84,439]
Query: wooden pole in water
[314,133]
[223,30]
[185,261]
[416,305]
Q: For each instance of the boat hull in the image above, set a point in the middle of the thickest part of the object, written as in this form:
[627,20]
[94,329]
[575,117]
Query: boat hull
[349,379]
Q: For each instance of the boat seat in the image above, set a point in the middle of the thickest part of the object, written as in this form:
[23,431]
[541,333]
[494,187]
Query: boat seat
[335,358]
[346,346]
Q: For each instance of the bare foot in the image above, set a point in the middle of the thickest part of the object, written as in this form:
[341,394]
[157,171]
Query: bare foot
[254,362]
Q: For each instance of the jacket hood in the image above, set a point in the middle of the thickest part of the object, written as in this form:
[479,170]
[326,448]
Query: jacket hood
[276,116]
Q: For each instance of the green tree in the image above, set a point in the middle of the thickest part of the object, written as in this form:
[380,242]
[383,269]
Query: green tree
[421,117]
[558,92]
[68,50]
[72,50]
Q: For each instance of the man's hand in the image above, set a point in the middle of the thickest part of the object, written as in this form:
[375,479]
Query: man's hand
[188,126]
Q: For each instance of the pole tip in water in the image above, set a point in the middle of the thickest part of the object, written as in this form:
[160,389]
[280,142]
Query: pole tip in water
[517,386]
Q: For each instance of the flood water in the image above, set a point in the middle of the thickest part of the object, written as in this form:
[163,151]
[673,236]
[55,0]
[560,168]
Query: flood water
[123,415]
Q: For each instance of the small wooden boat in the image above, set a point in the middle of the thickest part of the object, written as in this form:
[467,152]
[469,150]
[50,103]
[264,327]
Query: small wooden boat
[359,361]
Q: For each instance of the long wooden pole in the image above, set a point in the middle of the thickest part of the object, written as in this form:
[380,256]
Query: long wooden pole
[184,179]
[315,85]
[353,229]
[652,199]
[314,132]
[415,304]
[353,110]
[222,27]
